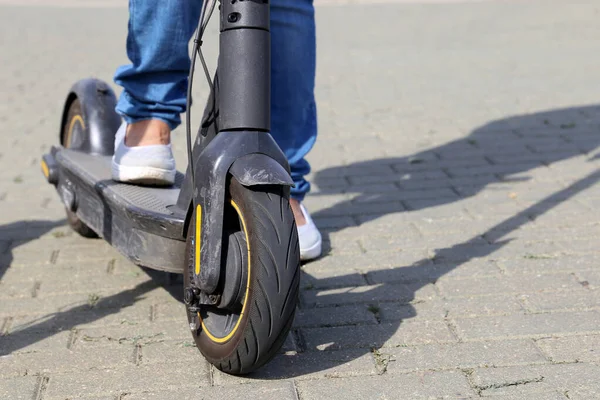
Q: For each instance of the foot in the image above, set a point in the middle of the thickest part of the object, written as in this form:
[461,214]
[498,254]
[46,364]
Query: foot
[143,154]
[308,234]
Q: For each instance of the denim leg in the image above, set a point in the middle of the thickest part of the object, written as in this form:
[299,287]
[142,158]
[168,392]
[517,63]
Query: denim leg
[155,82]
[293,64]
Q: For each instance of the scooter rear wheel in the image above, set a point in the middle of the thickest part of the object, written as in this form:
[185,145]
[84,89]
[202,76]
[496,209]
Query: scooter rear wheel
[241,338]
[72,134]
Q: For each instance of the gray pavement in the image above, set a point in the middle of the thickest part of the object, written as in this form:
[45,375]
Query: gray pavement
[455,181]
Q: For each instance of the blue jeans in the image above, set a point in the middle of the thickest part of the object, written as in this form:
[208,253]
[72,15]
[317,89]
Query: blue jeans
[155,83]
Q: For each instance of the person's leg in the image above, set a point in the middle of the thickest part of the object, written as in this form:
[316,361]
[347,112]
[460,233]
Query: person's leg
[154,88]
[155,82]
[293,63]
[293,108]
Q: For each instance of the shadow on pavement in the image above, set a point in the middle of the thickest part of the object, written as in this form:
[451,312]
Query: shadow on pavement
[17,233]
[531,141]
[500,151]
[64,321]
[24,231]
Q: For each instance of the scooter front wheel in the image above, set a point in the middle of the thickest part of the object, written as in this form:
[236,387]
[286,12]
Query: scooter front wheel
[261,236]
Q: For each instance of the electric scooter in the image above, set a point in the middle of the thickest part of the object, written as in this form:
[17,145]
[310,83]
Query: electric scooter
[226,224]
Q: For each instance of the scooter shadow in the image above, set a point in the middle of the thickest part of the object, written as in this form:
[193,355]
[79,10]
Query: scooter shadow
[18,233]
[550,136]
[499,151]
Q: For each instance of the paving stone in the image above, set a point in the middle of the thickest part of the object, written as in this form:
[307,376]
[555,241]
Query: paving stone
[45,362]
[56,273]
[383,335]
[423,385]
[82,302]
[129,379]
[381,169]
[372,188]
[100,397]
[350,209]
[524,380]
[547,264]
[267,391]
[580,394]
[463,252]
[550,395]
[333,316]
[407,220]
[466,307]
[134,333]
[19,388]
[533,325]
[167,310]
[86,318]
[491,169]
[322,278]
[17,290]
[572,349]
[368,294]
[30,341]
[592,277]
[424,194]
[429,310]
[463,225]
[528,250]
[92,286]
[435,164]
[334,222]
[562,301]
[508,284]
[391,242]
[25,256]
[433,272]
[463,355]
[169,351]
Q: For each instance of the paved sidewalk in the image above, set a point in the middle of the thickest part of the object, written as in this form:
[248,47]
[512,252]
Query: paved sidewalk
[455,179]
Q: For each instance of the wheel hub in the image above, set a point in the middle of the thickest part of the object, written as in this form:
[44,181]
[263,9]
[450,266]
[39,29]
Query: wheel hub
[234,272]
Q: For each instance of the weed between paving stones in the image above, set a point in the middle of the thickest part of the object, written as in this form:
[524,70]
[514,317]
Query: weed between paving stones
[93,299]
[139,339]
[381,360]
[519,382]
[538,256]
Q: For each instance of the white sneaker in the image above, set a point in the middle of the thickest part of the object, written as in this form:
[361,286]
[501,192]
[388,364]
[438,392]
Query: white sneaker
[145,165]
[309,237]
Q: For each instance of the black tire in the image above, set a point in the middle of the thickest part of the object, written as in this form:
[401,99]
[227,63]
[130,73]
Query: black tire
[71,135]
[273,283]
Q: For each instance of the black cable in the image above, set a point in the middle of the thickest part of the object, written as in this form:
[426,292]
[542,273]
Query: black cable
[202,23]
[206,72]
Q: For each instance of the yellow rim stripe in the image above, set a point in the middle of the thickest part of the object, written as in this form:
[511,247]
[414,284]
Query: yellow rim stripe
[198,237]
[45,169]
[237,324]
[75,119]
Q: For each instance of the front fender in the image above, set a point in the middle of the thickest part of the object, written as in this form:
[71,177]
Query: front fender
[253,158]
[260,169]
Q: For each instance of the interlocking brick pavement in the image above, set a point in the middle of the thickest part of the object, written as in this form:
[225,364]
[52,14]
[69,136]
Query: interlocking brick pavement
[455,180]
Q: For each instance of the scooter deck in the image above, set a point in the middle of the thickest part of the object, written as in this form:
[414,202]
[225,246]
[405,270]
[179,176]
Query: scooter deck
[143,223]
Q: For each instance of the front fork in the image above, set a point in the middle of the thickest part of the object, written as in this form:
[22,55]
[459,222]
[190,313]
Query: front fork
[234,136]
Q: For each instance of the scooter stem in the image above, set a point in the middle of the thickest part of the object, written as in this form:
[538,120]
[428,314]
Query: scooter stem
[244,66]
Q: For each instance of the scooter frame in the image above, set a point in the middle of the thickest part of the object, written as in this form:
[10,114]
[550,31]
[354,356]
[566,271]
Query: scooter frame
[233,140]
